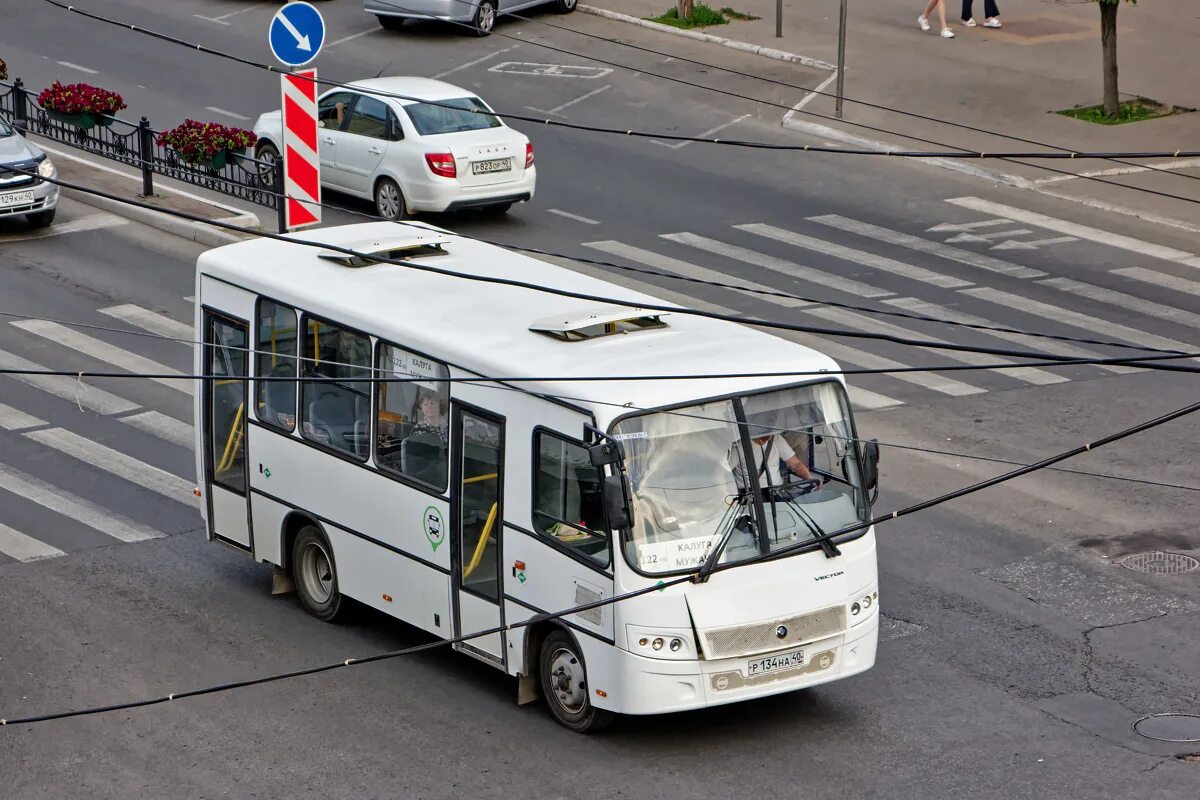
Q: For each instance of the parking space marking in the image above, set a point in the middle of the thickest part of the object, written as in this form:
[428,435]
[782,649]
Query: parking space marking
[344,39]
[221,19]
[709,132]
[470,64]
[552,70]
[575,217]
[216,110]
[69,65]
[91,222]
[570,103]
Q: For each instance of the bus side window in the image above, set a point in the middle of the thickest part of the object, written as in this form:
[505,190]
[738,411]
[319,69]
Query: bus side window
[567,504]
[412,430]
[337,412]
[276,358]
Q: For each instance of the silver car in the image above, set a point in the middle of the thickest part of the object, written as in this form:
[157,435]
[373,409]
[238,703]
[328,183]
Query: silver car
[21,193]
[479,16]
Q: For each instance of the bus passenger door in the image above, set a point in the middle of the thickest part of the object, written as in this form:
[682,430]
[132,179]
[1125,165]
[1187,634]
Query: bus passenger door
[226,359]
[476,500]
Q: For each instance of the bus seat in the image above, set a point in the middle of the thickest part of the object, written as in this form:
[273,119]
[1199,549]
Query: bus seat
[332,414]
[423,456]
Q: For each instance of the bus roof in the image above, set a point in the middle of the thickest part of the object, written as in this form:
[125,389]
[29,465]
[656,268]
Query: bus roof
[485,327]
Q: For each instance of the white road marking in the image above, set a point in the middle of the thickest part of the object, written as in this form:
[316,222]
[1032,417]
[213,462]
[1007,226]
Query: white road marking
[1182,163]
[987,237]
[925,246]
[552,70]
[470,64]
[103,457]
[1080,231]
[709,132]
[794,110]
[845,354]
[221,19]
[1032,245]
[658,261]
[857,256]
[14,419]
[1160,279]
[150,321]
[69,389]
[579,99]
[798,271]
[190,299]
[946,227]
[69,65]
[166,428]
[915,306]
[860,322]
[103,351]
[1075,319]
[353,36]
[1128,301]
[232,114]
[15,544]
[576,217]
[92,222]
[60,501]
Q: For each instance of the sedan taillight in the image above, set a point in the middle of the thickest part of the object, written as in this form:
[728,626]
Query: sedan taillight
[528,155]
[442,164]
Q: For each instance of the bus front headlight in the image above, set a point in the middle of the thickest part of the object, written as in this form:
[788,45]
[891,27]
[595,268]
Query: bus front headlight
[673,643]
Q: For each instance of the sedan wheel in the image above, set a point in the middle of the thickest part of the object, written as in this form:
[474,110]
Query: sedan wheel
[485,17]
[565,6]
[268,155]
[389,200]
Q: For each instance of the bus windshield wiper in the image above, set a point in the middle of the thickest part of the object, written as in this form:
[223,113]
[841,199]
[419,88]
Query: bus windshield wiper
[818,533]
[730,523]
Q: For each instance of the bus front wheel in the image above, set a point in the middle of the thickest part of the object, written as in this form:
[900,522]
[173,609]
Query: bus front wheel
[315,573]
[565,685]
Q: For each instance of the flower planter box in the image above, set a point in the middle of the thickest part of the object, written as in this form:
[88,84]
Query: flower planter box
[81,121]
[217,162]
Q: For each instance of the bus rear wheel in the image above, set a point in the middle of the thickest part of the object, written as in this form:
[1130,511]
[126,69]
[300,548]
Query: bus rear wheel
[565,686]
[315,573]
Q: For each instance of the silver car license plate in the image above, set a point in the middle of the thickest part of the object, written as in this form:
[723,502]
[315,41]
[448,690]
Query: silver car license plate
[761,666]
[16,198]
[495,165]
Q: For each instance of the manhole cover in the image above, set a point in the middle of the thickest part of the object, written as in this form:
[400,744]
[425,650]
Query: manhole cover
[1169,727]
[1157,562]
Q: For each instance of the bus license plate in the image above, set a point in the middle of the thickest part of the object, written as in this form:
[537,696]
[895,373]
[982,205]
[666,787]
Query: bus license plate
[761,666]
[495,165]
[16,198]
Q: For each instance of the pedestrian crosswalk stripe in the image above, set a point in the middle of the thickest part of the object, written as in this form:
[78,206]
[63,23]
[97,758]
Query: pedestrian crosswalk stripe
[798,271]
[1128,301]
[849,319]
[113,461]
[14,419]
[15,544]
[658,261]
[148,320]
[1037,344]
[63,502]
[1160,279]
[856,256]
[164,427]
[1075,229]
[1075,319]
[103,351]
[926,246]
[864,398]
[70,389]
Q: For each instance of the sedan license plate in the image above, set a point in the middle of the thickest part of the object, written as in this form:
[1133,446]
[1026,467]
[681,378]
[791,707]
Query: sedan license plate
[761,666]
[495,165]
[16,198]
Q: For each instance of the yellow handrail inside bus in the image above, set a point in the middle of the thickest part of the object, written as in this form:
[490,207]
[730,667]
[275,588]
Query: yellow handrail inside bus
[235,439]
[479,478]
[481,545]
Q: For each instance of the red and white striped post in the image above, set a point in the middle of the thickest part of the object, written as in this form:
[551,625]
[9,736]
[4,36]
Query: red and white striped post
[301,158]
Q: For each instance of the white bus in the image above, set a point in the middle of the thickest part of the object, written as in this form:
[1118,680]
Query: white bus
[460,506]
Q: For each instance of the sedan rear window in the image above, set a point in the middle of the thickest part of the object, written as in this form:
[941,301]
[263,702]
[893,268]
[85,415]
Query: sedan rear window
[451,116]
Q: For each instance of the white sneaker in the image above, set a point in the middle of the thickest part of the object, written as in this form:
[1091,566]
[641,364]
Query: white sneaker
[992,23]
[969,23]
[924,23]
[947,33]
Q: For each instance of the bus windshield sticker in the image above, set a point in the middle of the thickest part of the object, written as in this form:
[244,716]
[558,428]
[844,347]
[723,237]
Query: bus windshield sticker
[433,527]
[412,366]
[620,437]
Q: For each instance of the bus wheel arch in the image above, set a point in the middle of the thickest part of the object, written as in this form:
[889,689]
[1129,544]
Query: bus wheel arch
[562,677]
[314,570]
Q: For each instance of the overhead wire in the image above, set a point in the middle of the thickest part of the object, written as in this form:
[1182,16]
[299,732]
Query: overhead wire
[664,584]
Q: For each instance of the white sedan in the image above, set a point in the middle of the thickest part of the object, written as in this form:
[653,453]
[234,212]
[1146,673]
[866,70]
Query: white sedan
[433,151]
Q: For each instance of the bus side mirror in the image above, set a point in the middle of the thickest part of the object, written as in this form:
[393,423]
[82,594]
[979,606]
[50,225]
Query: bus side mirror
[870,468]
[607,452]
[616,502]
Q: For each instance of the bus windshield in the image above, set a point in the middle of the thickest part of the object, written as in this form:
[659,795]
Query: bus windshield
[697,480]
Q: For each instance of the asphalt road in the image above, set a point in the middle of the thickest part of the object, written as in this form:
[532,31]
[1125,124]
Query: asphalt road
[1015,654]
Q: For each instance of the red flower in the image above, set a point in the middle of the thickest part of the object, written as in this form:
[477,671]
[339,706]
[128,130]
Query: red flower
[80,98]
[200,141]
[3,70]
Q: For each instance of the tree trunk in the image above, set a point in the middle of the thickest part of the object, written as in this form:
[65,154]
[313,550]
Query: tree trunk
[684,9]
[1108,40]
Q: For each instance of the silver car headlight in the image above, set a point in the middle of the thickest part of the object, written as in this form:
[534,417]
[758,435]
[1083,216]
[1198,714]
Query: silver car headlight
[674,643]
[46,168]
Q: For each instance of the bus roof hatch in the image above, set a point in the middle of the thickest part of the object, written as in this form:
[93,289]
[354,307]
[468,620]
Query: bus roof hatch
[429,244]
[593,323]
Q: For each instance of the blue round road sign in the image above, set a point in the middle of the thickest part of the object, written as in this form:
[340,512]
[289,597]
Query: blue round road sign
[296,35]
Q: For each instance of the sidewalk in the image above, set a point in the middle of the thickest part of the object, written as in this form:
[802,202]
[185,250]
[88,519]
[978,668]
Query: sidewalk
[1047,57]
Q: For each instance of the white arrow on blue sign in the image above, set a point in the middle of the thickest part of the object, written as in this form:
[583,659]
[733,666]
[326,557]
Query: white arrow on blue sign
[297,33]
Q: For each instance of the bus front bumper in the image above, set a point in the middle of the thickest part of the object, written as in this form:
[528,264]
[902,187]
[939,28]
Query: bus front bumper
[658,686]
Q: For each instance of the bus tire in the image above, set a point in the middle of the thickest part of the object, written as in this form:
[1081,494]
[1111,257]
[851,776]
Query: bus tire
[315,573]
[565,687]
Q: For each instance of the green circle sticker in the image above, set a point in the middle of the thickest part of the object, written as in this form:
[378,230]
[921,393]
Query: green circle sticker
[435,532]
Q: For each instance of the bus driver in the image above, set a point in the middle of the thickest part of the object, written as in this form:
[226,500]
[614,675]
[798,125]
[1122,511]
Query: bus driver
[770,448]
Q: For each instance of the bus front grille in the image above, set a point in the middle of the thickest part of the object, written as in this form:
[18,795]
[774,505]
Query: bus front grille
[763,637]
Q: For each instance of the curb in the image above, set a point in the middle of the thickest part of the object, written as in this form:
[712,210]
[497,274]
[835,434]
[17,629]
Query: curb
[767,52]
[184,228]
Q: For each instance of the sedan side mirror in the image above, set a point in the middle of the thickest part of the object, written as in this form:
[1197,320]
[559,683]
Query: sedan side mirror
[870,468]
